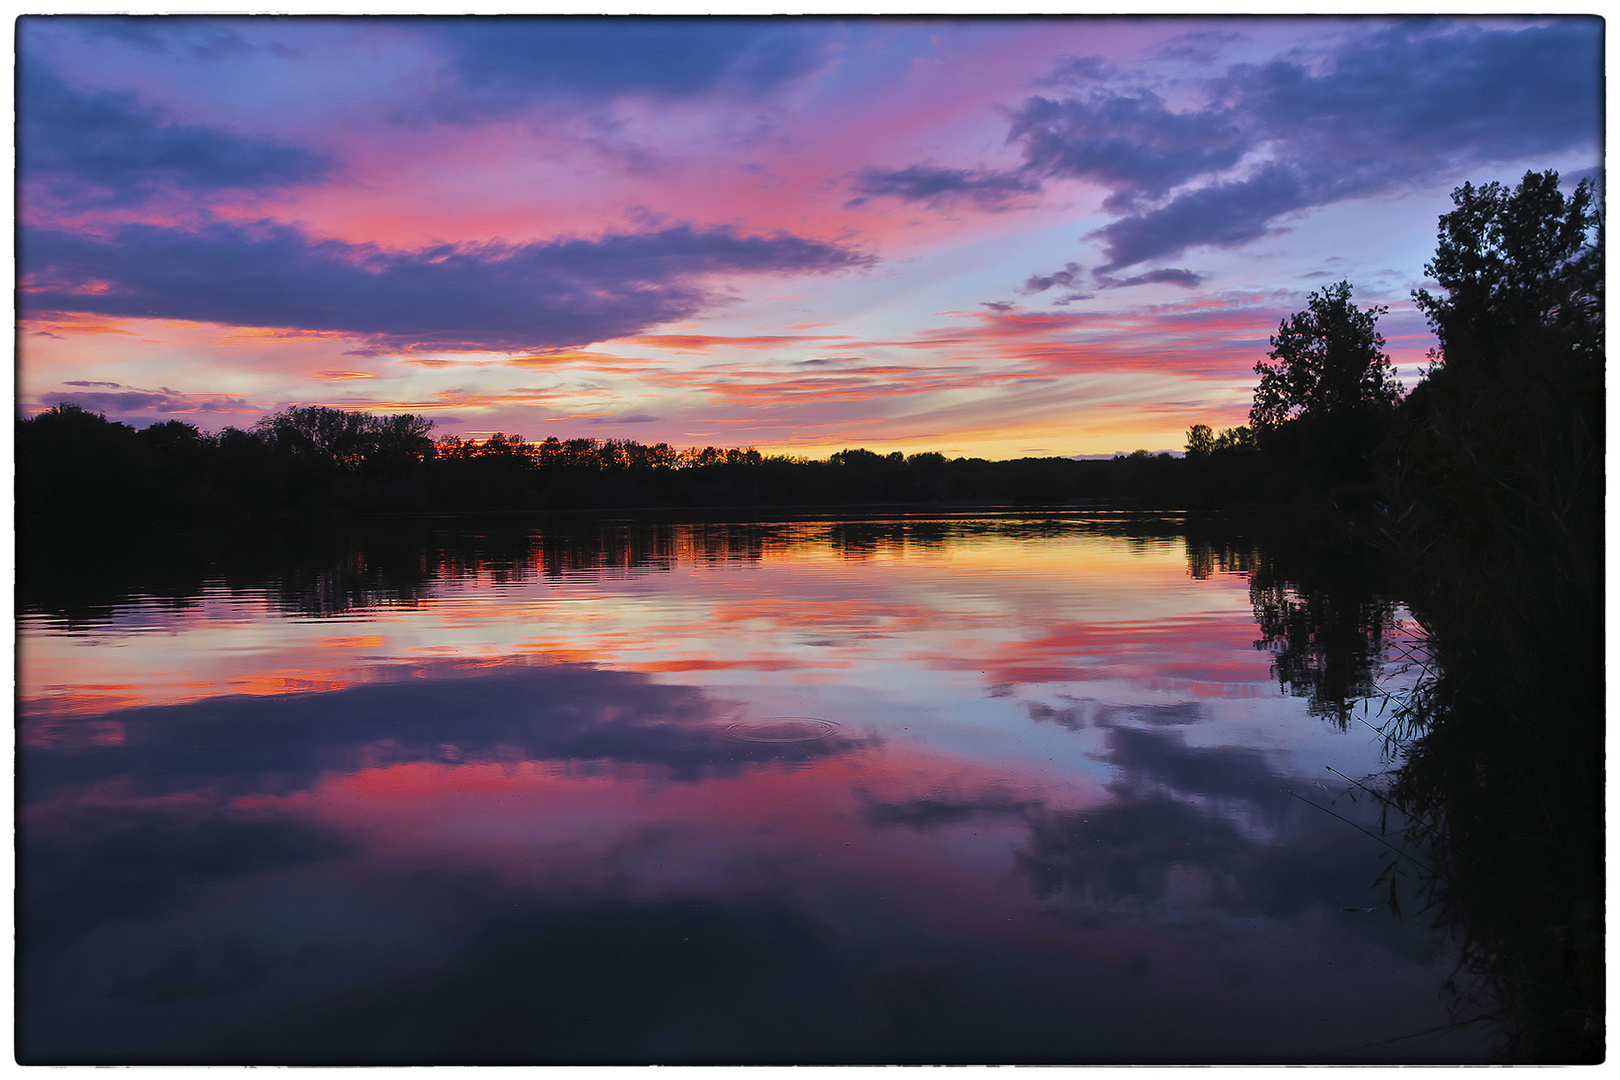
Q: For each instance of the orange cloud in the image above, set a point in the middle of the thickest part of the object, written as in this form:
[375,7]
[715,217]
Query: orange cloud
[704,342]
[598,361]
[279,333]
[760,388]
[458,399]
[67,324]
[749,664]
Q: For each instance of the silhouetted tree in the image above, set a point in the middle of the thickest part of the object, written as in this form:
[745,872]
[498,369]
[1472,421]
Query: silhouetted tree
[316,434]
[398,442]
[335,438]
[1324,401]
[1522,272]
[1200,440]
[174,436]
[71,461]
[1238,438]
[1327,361]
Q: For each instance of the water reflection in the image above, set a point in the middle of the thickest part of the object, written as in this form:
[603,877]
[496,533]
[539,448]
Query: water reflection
[1323,603]
[323,570]
[1503,777]
[1035,807]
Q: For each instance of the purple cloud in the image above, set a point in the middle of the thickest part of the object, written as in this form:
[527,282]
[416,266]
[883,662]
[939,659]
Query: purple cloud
[937,187]
[1078,69]
[500,65]
[1187,279]
[134,406]
[1393,107]
[492,296]
[80,148]
[628,418]
[203,37]
[1041,282]
[1200,47]
[1220,215]
[1129,143]
[1419,96]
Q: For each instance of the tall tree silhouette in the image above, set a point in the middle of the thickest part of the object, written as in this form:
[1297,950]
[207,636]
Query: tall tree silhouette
[1326,362]
[1522,272]
[1323,402]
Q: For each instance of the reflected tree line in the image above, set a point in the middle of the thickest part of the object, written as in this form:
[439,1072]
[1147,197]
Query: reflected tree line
[320,568]
[325,567]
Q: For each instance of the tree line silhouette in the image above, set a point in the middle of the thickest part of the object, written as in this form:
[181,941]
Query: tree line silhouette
[74,465]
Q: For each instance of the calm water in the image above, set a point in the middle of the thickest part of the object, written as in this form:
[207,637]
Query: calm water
[999,789]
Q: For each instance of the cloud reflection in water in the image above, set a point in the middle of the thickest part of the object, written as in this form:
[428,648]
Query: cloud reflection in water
[507,857]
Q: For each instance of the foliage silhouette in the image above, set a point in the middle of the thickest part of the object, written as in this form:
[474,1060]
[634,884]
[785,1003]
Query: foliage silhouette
[1523,275]
[1486,482]
[1324,400]
[1327,361]
[1494,490]
[76,466]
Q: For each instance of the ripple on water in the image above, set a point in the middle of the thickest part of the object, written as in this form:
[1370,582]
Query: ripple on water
[783,729]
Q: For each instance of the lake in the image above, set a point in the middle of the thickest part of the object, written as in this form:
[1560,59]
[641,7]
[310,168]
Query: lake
[988,787]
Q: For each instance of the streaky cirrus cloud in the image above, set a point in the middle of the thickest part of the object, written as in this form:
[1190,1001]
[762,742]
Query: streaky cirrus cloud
[759,389]
[1213,338]
[705,342]
[81,148]
[1069,278]
[473,297]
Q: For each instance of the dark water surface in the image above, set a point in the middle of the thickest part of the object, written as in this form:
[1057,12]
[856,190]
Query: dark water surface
[1006,788]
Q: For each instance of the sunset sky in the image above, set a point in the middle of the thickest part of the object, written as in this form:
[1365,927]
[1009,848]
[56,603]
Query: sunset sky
[981,237]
